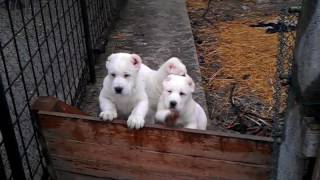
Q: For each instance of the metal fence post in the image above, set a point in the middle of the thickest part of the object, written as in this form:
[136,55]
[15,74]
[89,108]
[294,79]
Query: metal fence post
[9,139]
[2,170]
[88,41]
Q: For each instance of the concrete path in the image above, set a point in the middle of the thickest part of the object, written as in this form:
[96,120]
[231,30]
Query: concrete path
[156,30]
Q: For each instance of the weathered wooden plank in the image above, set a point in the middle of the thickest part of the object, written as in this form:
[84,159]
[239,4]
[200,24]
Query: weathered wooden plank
[49,103]
[186,142]
[66,175]
[114,161]
[42,105]
[85,147]
[114,171]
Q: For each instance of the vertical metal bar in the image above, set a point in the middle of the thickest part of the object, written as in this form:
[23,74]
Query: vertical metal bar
[91,17]
[2,170]
[90,60]
[113,8]
[93,21]
[82,43]
[109,12]
[9,139]
[105,16]
[99,19]
[105,12]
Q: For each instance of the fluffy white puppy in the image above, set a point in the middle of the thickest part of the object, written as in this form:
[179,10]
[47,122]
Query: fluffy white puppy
[154,79]
[123,93]
[176,105]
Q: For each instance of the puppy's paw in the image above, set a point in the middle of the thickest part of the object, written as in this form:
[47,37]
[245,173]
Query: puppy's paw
[135,122]
[172,118]
[108,115]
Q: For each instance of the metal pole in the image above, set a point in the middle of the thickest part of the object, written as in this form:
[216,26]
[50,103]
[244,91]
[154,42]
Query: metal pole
[88,41]
[2,170]
[9,139]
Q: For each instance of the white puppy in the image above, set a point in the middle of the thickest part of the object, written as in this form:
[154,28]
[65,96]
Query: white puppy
[176,98]
[123,93]
[154,79]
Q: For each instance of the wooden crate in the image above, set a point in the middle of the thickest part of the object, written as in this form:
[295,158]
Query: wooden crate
[84,147]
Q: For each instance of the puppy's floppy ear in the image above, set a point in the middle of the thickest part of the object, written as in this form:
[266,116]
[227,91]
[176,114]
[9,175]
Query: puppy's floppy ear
[136,60]
[190,83]
[171,68]
[166,81]
[175,66]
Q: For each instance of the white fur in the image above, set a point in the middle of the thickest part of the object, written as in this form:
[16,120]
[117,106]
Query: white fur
[154,79]
[179,89]
[132,102]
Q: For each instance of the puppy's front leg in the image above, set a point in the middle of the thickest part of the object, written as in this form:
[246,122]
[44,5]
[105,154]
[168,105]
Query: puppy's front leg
[191,126]
[161,115]
[108,109]
[136,119]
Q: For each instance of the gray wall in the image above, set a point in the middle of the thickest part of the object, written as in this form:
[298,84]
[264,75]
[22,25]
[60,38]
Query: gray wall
[304,93]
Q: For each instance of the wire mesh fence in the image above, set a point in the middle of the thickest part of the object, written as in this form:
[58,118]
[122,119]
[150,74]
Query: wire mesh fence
[46,49]
[287,34]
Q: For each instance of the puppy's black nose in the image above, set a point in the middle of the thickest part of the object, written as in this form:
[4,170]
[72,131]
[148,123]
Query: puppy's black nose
[173,104]
[118,90]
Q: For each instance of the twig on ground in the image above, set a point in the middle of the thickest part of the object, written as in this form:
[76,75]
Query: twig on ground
[262,121]
[251,119]
[214,75]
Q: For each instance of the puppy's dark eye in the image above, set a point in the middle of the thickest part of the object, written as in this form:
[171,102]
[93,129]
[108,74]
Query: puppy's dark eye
[182,93]
[169,91]
[113,74]
[127,75]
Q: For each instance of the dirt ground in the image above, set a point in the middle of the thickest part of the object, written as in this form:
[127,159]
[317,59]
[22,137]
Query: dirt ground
[238,61]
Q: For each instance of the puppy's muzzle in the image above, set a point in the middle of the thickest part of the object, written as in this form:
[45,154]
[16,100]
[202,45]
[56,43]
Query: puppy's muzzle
[118,90]
[173,104]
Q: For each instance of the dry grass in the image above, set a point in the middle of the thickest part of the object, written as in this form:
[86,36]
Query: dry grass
[246,57]
[239,64]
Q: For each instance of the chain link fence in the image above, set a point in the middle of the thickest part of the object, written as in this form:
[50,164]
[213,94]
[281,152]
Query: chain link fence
[288,22]
[47,48]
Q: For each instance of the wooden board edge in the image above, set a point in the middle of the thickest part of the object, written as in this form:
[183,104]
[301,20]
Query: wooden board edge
[157,126]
